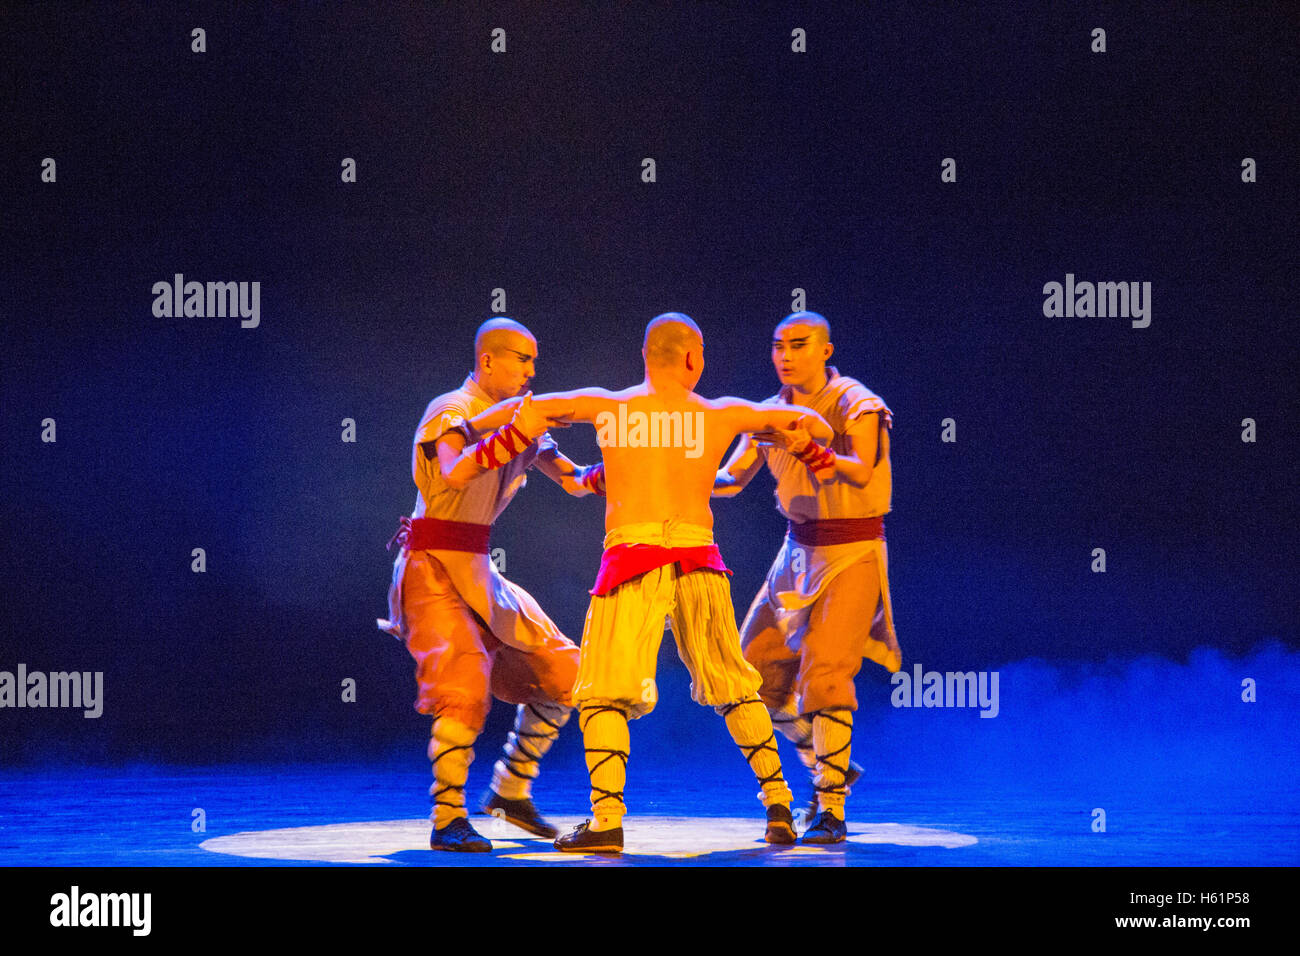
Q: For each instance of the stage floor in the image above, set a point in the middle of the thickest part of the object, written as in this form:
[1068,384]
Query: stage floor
[702,814]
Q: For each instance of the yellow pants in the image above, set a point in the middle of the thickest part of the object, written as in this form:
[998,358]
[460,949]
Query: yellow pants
[624,628]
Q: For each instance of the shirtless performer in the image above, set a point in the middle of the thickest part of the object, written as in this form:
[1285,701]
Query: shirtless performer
[473,634]
[662,444]
[825,604]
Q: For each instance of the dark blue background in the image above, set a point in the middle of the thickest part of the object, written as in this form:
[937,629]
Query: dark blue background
[522,171]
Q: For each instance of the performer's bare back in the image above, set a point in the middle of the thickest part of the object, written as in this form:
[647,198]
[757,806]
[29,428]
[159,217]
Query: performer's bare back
[674,480]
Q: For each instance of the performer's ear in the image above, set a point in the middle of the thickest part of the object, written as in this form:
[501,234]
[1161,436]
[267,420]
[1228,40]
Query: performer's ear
[830,350]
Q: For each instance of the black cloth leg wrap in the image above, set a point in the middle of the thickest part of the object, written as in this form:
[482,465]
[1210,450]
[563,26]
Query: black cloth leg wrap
[584,717]
[441,790]
[751,752]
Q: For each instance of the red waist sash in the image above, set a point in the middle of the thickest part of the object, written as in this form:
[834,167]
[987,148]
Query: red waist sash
[435,534]
[816,534]
[623,562]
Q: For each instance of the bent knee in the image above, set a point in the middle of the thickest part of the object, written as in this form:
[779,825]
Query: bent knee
[827,692]
[463,709]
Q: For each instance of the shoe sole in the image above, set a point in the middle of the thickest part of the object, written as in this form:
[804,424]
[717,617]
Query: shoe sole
[461,849]
[610,848]
[591,844]
[821,842]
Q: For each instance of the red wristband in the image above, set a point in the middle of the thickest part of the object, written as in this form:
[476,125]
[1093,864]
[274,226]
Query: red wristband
[504,444]
[818,458]
[593,478]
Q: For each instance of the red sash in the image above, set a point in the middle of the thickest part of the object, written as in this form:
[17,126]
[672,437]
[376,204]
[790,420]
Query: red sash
[623,562]
[434,534]
[830,531]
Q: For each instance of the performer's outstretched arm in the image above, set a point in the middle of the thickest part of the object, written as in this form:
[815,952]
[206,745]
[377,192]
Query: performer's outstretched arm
[493,418]
[515,423]
[579,405]
[855,469]
[783,425]
[462,461]
[577,480]
[762,419]
[739,469]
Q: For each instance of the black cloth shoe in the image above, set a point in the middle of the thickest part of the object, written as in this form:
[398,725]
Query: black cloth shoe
[521,813]
[461,837]
[827,828]
[850,778]
[780,825]
[585,840]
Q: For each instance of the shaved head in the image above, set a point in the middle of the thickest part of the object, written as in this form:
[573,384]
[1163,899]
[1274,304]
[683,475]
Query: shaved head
[504,353]
[821,329]
[668,338]
[801,346]
[496,335]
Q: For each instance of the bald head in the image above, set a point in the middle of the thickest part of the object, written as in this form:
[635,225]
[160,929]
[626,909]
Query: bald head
[801,347]
[496,335]
[820,329]
[504,356]
[668,338]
